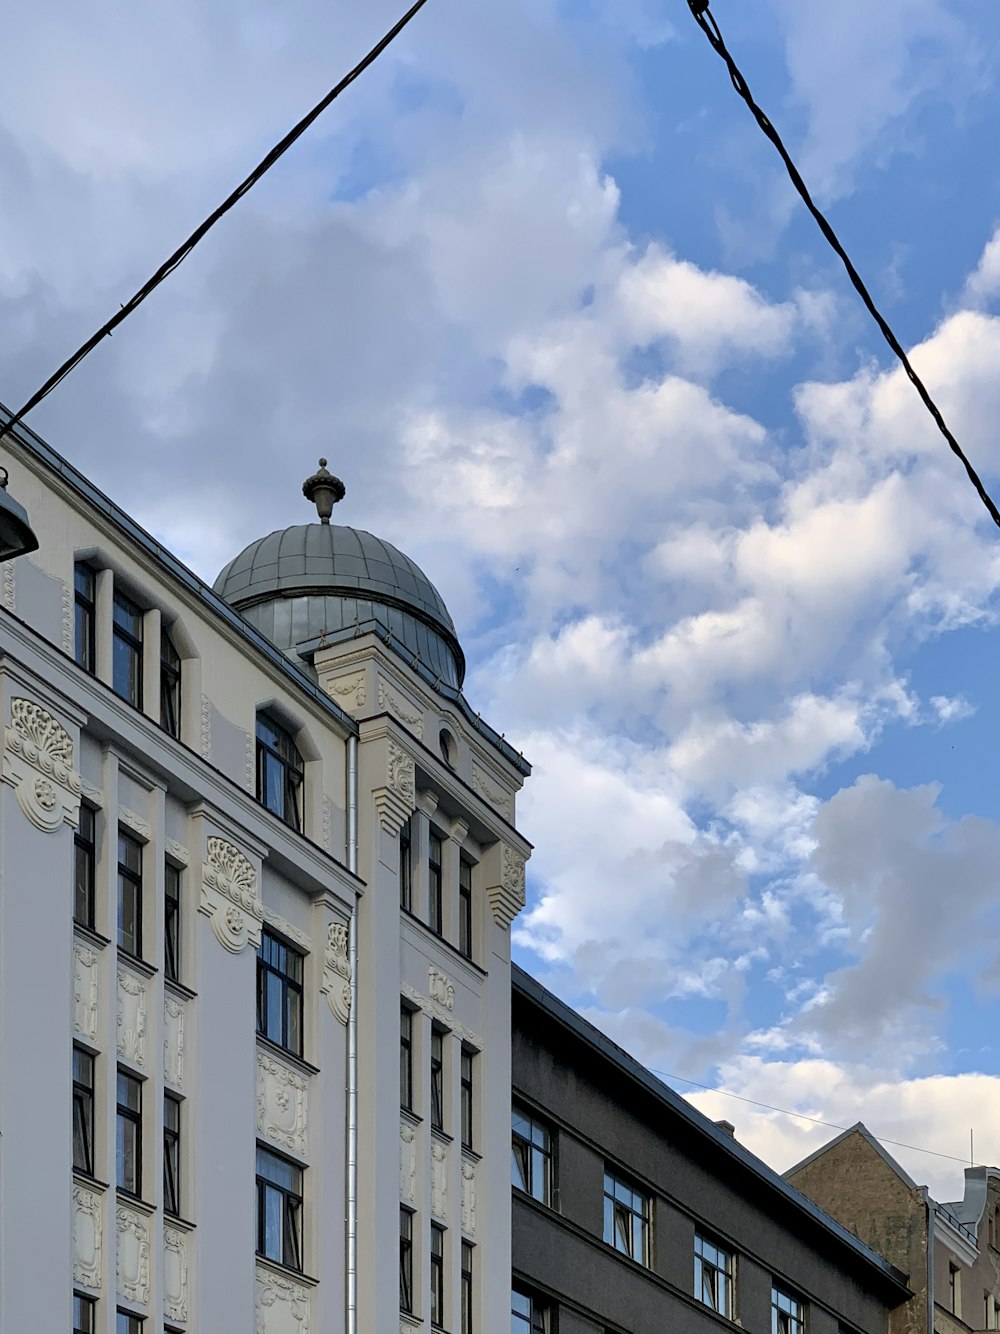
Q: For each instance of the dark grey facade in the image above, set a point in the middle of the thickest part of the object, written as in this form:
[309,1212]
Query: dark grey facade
[601,1148]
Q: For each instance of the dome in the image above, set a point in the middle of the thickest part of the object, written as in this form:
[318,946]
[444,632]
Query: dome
[322,579]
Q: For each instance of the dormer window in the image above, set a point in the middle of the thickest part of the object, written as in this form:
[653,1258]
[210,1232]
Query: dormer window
[280,772]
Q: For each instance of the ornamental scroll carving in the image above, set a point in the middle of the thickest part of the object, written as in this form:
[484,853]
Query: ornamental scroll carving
[439,1181]
[229,896]
[133,1254]
[442,989]
[507,896]
[38,763]
[395,801]
[350,690]
[85,968]
[492,793]
[411,717]
[131,1017]
[174,1018]
[468,1197]
[282,1304]
[282,1108]
[336,984]
[175,1274]
[407,1163]
[443,1015]
[88,1237]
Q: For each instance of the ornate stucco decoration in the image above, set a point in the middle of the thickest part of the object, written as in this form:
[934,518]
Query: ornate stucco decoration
[137,823]
[442,989]
[85,971]
[350,691]
[492,793]
[507,895]
[176,851]
[175,1273]
[38,761]
[444,1017]
[88,1237]
[401,708]
[395,801]
[131,1017]
[327,823]
[7,597]
[133,1254]
[67,618]
[282,1304]
[229,896]
[206,728]
[336,984]
[282,1104]
[174,1023]
[468,1197]
[407,1162]
[286,928]
[439,1181]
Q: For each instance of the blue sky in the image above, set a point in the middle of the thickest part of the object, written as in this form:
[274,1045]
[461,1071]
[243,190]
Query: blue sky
[538,288]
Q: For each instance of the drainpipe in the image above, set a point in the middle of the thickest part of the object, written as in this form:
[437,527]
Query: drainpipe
[352,1047]
[931,1216]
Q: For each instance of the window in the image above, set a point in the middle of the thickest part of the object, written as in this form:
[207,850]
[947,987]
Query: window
[128,1323]
[405,869]
[954,1292]
[83,1111]
[126,659]
[128,1136]
[405,1260]
[279,772]
[467,1103]
[279,992]
[129,894]
[466,1287]
[84,589]
[85,841]
[437,1275]
[435,906]
[171,922]
[170,686]
[465,907]
[787,1313]
[528,1315]
[83,1314]
[171,1154]
[626,1220]
[713,1276]
[437,1078]
[279,1209]
[531,1155]
[406,1058]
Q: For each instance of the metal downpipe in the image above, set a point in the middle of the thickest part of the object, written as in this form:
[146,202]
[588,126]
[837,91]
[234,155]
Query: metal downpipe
[352,1047]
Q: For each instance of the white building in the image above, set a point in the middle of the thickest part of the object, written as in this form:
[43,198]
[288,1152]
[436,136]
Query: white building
[257,874]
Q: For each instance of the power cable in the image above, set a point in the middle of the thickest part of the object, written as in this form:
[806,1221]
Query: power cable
[708,25]
[786,1111]
[183,250]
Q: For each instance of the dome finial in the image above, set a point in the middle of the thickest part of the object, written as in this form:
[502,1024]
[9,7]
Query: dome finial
[324,490]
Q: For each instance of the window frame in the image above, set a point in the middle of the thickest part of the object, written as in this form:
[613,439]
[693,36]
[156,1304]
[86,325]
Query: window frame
[132,642]
[437,1284]
[536,1153]
[172,891]
[467,1291]
[127,1116]
[785,1320]
[288,986]
[172,1167]
[435,882]
[723,1276]
[170,686]
[406,867]
[467,1077]
[406,1303]
[465,933]
[405,1057]
[130,879]
[282,751]
[84,1313]
[536,1320]
[85,853]
[291,1223]
[622,1209]
[133,1323]
[85,617]
[83,1108]
[437,1077]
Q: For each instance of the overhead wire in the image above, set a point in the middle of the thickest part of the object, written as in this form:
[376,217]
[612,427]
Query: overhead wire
[706,21]
[185,248]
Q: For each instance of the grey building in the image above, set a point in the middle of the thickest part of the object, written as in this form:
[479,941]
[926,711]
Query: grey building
[633,1213]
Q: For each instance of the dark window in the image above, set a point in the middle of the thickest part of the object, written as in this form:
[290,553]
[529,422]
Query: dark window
[128,1323]
[172,922]
[406,1058]
[171,1154]
[84,585]
[467,1099]
[437,1275]
[279,772]
[170,687]
[279,1209]
[713,1276]
[954,1296]
[405,869]
[465,907]
[435,906]
[83,1314]
[531,1155]
[405,1260]
[787,1313]
[467,1295]
[128,1138]
[126,661]
[129,894]
[626,1220]
[437,1078]
[279,992]
[85,840]
[528,1315]
[83,1111]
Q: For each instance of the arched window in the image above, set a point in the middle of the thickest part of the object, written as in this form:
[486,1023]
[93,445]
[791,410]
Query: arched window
[280,771]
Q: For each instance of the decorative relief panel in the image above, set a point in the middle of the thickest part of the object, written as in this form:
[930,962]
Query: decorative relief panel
[88,1237]
[350,691]
[176,851]
[206,728]
[283,1305]
[175,1273]
[443,1016]
[336,984]
[442,988]
[492,793]
[137,823]
[401,708]
[174,1018]
[507,897]
[85,970]
[395,801]
[133,1254]
[468,1197]
[67,619]
[279,923]
[131,1016]
[7,596]
[282,1106]
[229,896]
[407,1163]
[38,761]
[327,823]
[439,1181]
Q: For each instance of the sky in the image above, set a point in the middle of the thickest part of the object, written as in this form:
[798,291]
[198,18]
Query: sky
[538,288]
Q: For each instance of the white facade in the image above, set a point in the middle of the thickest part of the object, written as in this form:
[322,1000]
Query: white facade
[368,727]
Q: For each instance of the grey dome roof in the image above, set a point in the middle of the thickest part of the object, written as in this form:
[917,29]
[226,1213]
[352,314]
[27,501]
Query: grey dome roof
[313,579]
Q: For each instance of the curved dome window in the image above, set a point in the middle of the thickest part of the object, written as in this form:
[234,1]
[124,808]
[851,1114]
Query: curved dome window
[449,750]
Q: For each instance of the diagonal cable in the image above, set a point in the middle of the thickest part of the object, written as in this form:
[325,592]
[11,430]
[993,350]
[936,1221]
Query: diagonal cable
[183,250]
[708,25]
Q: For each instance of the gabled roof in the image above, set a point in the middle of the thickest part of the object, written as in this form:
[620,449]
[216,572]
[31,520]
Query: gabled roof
[859,1128]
